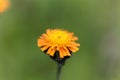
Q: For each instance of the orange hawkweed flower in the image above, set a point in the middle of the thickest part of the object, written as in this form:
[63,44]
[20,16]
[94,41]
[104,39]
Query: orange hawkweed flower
[58,43]
[4,4]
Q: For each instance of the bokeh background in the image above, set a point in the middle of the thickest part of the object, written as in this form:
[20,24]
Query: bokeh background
[95,22]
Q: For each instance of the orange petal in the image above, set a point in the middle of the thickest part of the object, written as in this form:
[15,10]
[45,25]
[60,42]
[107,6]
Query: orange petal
[51,51]
[74,38]
[42,42]
[67,51]
[48,31]
[73,49]
[45,48]
[44,36]
[74,44]
[63,51]
[61,54]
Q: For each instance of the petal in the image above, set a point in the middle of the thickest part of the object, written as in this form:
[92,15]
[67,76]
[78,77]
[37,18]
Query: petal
[48,31]
[74,44]
[44,36]
[51,51]
[61,54]
[73,49]
[39,43]
[74,38]
[42,42]
[45,47]
[66,51]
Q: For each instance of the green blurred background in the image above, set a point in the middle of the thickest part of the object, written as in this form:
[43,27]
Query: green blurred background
[95,22]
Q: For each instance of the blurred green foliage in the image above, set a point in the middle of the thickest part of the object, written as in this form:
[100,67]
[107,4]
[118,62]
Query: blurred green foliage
[26,20]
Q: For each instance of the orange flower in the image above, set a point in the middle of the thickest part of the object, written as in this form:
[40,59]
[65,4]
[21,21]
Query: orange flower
[4,4]
[57,40]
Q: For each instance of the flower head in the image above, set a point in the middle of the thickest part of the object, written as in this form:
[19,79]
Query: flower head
[58,43]
[4,4]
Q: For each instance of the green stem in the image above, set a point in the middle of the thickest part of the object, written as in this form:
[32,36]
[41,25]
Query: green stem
[59,71]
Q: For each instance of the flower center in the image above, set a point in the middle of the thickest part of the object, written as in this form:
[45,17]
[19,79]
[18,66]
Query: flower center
[59,37]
